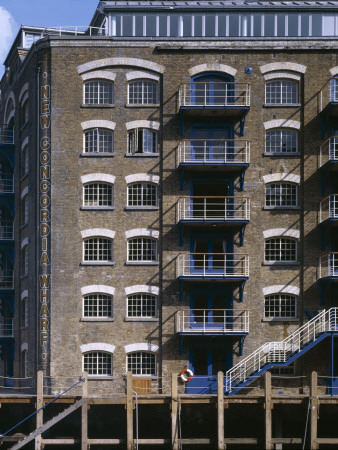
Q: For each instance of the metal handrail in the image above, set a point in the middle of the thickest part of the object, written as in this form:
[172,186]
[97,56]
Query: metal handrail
[233,94]
[212,320]
[215,151]
[74,30]
[213,208]
[218,265]
[328,208]
[328,150]
[328,265]
[280,352]
[326,93]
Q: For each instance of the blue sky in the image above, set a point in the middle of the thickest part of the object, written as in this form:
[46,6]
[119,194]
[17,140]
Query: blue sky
[41,13]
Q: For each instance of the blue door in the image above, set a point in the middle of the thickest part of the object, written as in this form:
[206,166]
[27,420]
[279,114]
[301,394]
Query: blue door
[211,309]
[206,360]
[212,143]
[212,90]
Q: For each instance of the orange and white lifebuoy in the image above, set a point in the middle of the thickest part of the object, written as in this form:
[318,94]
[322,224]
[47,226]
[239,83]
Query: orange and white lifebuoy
[187,375]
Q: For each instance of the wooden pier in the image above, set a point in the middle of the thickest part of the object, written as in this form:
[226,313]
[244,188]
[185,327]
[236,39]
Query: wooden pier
[267,411]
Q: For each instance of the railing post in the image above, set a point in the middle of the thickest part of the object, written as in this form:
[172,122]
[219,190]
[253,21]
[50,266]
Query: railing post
[220,411]
[130,437]
[39,404]
[268,412]
[174,409]
[84,413]
[314,411]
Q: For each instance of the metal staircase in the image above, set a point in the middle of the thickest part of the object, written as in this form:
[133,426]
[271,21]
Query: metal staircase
[281,353]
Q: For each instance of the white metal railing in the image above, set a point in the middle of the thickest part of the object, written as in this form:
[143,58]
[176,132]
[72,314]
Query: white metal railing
[213,208]
[214,151]
[329,150]
[6,134]
[6,229]
[75,30]
[329,208]
[328,265]
[6,327]
[328,93]
[280,352]
[214,94]
[212,321]
[6,183]
[218,265]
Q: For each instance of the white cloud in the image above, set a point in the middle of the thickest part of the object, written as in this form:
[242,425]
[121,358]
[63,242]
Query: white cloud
[7,33]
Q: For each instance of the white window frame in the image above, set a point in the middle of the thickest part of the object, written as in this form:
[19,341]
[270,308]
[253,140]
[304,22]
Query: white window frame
[281,188]
[98,190]
[141,353]
[152,297]
[133,141]
[142,184]
[97,144]
[282,240]
[292,297]
[141,242]
[143,96]
[98,261]
[281,103]
[97,375]
[287,132]
[110,299]
[99,88]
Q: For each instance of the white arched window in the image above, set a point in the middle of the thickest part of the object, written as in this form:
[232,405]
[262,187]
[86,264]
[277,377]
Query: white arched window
[97,246]
[281,246]
[97,359]
[143,92]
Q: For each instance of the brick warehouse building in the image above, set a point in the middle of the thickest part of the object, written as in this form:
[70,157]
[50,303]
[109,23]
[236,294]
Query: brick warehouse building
[170,176]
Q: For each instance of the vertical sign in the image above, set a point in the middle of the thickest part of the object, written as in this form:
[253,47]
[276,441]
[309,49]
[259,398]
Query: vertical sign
[44,216]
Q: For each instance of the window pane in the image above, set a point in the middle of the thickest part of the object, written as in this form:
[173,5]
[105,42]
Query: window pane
[98,194]
[97,249]
[141,363]
[97,305]
[281,141]
[97,363]
[99,140]
[141,305]
[142,249]
[281,195]
[280,305]
[99,92]
[280,250]
[142,92]
[281,92]
[142,194]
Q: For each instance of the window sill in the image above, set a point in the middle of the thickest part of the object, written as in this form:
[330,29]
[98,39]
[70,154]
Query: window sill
[142,155]
[279,154]
[280,319]
[151,377]
[97,155]
[142,208]
[97,208]
[98,105]
[141,263]
[282,105]
[281,263]
[142,105]
[141,319]
[100,378]
[97,263]
[283,208]
[97,319]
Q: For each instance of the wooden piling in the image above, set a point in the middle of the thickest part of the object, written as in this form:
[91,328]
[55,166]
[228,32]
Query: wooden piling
[174,409]
[268,412]
[314,411]
[130,436]
[84,413]
[39,404]
[220,411]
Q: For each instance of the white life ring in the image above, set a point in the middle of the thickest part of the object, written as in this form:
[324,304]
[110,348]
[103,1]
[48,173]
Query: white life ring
[187,375]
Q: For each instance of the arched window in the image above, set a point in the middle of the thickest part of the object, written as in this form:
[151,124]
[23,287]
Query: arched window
[281,92]
[280,306]
[97,305]
[281,141]
[6,176]
[6,271]
[142,92]
[142,250]
[6,223]
[280,249]
[97,195]
[24,112]
[142,140]
[99,140]
[210,89]
[141,306]
[142,195]
[97,249]
[98,363]
[281,195]
[99,92]
[24,310]
[141,363]
[24,261]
